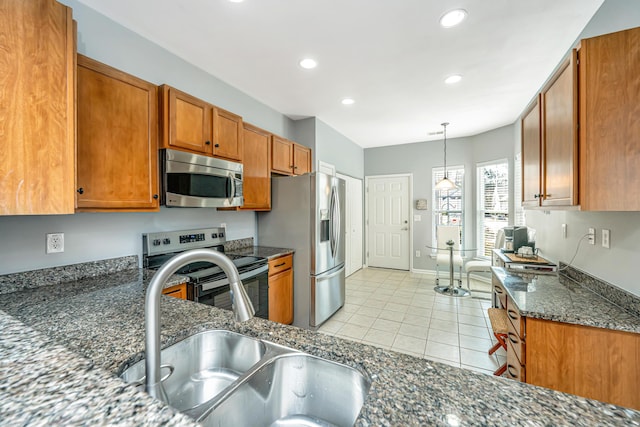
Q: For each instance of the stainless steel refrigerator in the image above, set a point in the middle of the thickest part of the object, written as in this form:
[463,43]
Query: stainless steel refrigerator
[307,215]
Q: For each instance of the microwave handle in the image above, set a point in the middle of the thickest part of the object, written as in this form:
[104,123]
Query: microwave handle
[233,187]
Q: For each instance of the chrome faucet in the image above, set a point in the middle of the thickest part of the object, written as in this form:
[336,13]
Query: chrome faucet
[242,308]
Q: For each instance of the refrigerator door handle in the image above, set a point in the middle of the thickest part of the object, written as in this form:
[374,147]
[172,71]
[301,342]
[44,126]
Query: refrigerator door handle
[335,221]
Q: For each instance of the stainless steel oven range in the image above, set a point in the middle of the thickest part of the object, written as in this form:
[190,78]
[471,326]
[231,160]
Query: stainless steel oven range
[210,283]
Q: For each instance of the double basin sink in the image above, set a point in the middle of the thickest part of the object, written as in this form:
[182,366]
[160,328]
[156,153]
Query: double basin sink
[222,378]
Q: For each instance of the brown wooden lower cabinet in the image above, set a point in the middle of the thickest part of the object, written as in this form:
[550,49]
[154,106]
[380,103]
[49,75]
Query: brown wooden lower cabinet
[281,289]
[597,363]
[177,291]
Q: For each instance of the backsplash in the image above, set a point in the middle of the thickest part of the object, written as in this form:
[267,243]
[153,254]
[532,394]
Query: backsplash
[616,295]
[54,275]
[234,245]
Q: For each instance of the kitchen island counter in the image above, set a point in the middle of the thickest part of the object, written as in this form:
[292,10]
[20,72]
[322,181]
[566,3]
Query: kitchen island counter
[101,320]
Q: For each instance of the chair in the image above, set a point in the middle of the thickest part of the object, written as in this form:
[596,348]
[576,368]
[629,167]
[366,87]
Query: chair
[498,319]
[444,233]
[482,265]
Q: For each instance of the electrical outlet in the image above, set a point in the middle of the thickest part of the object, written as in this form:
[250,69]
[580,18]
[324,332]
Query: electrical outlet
[592,236]
[417,254]
[55,243]
[606,236]
[564,231]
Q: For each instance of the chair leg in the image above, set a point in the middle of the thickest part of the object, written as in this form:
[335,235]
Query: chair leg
[502,343]
[501,370]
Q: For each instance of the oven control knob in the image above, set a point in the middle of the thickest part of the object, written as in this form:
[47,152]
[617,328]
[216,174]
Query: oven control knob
[214,235]
[156,242]
[166,241]
[221,235]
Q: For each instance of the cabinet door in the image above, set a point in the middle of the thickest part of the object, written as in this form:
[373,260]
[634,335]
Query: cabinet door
[281,297]
[117,165]
[227,140]
[301,159]
[281,155]
[531,146]
[610,122]
[257,169]
[37,117]
[559,137]
[186,122]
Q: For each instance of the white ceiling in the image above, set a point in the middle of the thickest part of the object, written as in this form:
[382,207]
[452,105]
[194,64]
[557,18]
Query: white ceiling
[391,56]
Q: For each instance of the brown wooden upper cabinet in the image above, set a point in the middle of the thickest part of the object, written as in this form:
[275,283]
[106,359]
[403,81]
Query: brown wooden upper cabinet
[301,159]
[227,135]
[185,122]
[550,142]
[191,124]
[588,129]
[117,165]
[610,122]
[531,148]
[256,168]
[37,113]
[289,158]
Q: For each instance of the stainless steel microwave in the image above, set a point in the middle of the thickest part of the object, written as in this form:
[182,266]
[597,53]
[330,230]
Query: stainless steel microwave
[195,181]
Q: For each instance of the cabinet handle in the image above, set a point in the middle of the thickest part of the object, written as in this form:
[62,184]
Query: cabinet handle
[207,143]
[155,196]
[279,265]
[295,167]
[536,196]
[80,190]
[217,145]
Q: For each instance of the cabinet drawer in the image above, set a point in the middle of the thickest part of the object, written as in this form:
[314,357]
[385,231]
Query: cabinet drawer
[500,293]
[517,343]
[515,370]
[516,320]
[280,264]
[178,291]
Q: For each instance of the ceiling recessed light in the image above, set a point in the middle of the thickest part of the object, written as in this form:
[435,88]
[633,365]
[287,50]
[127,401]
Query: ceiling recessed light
[308,63]
[236,1]
[347,101]
[453,18]
[453,79]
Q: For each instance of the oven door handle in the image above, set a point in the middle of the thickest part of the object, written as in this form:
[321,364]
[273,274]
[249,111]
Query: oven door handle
[246,275]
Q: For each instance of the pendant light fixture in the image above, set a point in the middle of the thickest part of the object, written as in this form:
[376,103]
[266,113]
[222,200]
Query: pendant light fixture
[445,183]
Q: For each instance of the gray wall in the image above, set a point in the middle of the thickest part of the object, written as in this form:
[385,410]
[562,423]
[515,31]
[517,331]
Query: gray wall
[334,148]
[419,159]
[615,265]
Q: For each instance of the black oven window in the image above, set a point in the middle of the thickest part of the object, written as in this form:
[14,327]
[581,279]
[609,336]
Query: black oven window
[189,184]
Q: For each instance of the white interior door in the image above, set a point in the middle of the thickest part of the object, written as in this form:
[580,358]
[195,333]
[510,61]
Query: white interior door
[388,222]
[354,225]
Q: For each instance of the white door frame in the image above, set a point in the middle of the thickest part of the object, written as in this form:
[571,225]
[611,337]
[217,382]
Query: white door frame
[366,214]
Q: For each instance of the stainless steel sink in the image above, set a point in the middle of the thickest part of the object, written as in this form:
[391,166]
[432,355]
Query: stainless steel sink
[204,364]
[222,378]
[294,389]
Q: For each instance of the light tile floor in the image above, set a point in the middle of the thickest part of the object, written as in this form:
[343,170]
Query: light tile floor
[400,311]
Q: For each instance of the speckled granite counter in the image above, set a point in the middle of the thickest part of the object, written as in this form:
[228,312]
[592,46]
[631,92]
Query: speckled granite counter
[101,320]
[559,298]
[261,251]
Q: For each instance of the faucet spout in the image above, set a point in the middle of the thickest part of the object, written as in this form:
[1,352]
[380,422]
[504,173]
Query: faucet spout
[242,308]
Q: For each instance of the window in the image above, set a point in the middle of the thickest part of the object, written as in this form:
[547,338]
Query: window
[448,205]
[493,203]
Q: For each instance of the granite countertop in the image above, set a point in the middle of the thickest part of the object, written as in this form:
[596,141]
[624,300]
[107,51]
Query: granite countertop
[59,366]
[561,299]
[260,251]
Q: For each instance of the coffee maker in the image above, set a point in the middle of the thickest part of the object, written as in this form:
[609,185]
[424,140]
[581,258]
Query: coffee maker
[514,238]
